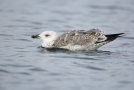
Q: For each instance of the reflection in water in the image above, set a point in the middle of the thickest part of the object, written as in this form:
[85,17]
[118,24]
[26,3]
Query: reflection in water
[54,50]
[61,50]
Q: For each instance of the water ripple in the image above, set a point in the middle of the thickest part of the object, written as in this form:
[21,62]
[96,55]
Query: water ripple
[128,37]
[109,7]
[24,73]
[94,68]
[7,35]
[90,67]
[26,40]
[4,71]
[85,58]
[37,69]
[15,65]
[125,82]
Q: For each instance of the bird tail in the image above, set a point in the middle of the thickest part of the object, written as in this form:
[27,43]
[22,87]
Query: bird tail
[111,37]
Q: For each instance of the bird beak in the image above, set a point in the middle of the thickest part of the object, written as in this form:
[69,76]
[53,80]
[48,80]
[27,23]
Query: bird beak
[36,36]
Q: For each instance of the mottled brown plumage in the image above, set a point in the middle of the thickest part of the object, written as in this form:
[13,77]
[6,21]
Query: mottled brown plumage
[79,37]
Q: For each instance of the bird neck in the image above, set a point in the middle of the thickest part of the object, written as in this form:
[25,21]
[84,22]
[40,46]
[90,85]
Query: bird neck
[47,44]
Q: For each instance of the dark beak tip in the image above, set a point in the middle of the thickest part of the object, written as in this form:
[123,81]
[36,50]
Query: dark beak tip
[34,36]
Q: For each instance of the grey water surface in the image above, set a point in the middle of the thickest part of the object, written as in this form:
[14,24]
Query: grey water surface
[24,66]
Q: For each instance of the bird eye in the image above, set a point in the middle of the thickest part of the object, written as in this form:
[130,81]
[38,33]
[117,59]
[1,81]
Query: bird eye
[47,35]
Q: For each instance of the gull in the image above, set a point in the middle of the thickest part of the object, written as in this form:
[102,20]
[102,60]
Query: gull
[76,40]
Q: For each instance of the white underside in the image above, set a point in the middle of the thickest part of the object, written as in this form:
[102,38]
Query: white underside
[84,48]
[78,47]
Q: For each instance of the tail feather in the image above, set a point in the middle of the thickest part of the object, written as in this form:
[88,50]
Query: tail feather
[111,37]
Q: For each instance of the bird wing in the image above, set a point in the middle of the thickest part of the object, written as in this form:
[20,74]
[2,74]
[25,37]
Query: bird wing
[79,37]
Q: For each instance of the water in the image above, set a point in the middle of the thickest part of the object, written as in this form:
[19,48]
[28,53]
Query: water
[23,66]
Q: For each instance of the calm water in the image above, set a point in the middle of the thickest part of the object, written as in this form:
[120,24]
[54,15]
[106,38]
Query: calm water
[23,66]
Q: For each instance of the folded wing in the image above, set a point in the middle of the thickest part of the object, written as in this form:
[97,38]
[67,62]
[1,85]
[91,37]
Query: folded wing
[80,37]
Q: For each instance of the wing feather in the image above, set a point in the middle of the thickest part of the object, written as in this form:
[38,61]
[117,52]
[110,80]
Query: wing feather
[79,37]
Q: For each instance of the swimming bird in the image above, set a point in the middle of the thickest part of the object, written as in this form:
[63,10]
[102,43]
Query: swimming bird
[76,40]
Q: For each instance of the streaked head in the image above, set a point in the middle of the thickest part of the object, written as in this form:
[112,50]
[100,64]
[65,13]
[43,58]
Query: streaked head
[48,38]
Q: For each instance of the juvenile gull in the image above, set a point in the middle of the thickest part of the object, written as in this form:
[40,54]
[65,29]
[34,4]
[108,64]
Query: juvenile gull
[76,39]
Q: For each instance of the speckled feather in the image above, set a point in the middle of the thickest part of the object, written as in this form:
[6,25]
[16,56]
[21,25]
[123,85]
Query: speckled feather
[79,37]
